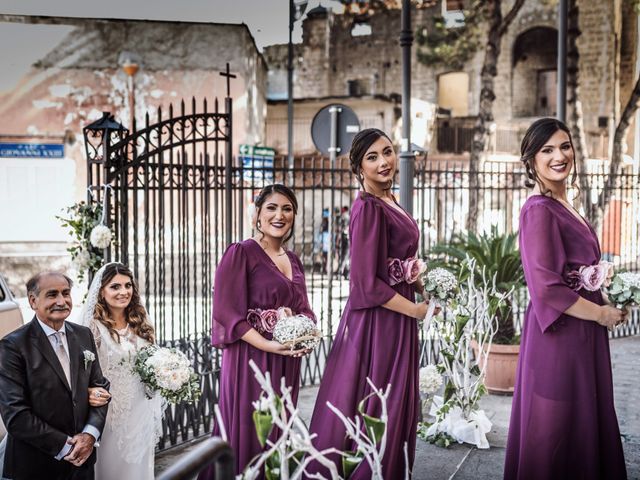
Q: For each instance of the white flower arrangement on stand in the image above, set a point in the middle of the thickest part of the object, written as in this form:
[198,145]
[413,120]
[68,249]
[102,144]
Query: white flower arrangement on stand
[289,456]
[457,416]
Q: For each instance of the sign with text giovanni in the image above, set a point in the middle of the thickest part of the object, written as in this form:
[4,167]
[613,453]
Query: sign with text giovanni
[31,150]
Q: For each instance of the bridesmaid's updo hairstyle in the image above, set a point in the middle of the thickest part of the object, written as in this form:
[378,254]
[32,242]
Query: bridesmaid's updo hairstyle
[265,193]
[359,146]
[534,139]
[135,313]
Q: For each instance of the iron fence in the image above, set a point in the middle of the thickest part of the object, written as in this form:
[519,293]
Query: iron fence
[179,195]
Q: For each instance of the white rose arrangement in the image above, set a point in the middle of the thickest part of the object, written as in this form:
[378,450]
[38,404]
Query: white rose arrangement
[168,371]
[430,380]
[101,236]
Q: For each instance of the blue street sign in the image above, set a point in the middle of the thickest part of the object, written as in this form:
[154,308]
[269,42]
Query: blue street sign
[31,150]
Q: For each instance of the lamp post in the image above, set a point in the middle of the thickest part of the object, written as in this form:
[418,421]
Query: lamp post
[407,158]
[99,138]
[296,10]
[561,109]
[130,64]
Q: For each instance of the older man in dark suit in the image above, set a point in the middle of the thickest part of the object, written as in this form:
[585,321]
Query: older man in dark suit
[46,368]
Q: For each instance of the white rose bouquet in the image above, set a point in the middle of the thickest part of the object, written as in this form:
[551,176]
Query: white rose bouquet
[624,289]
[168,371]
[442,286]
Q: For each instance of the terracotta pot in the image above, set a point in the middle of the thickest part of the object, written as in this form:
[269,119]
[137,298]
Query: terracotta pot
[502,362]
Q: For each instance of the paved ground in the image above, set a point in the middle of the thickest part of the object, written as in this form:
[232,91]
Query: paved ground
[462,462]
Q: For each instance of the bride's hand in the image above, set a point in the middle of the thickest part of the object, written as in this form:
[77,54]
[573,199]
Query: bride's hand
[98,397]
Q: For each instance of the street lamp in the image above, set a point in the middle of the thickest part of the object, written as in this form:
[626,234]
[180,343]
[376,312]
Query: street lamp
[130,64]
[100,135]
[407,158]
[296,10]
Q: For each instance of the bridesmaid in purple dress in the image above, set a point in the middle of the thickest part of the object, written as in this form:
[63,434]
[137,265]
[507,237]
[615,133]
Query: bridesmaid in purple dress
[258,273]
[563,422]
[378,334]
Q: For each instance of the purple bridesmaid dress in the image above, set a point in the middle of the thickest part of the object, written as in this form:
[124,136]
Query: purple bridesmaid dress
[373,341]
[563,422]
[247,278]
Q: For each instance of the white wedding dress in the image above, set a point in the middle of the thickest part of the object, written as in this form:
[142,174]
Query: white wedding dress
[134,422]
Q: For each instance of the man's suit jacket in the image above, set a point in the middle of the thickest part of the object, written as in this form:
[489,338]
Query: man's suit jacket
[39,408]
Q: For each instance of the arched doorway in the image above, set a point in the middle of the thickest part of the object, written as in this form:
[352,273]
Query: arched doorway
[534,73]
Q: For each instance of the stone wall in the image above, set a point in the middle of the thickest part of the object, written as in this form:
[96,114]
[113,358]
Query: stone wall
[330,56]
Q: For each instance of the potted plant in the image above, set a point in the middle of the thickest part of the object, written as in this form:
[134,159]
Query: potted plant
[497,255]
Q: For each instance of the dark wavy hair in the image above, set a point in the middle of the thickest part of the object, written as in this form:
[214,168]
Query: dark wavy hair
[534,139]
[135,313]
[359,146]
[269,190]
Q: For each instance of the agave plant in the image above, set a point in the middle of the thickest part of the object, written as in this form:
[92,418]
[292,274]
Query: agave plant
[498,255]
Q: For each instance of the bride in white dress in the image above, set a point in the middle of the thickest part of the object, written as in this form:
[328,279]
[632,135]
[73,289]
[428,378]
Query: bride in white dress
[119,323]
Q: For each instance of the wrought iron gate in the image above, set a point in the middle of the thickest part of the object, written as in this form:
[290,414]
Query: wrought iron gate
[166,184]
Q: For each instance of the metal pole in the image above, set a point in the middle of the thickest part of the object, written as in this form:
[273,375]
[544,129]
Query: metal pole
[333,154]
[132,104]
[290,90]
[562,61]
[228,184]
[407,157]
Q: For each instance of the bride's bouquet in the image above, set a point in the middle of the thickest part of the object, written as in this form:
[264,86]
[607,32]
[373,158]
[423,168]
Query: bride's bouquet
[168,371]
[624,289]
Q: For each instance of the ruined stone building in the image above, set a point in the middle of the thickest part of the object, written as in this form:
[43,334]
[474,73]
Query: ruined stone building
[357,56]
[42,112]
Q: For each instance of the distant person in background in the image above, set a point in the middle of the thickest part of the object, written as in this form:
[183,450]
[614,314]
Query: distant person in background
[322,244]
[343,241]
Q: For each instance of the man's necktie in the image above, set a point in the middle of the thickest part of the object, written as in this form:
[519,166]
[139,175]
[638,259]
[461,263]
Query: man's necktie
[61,352]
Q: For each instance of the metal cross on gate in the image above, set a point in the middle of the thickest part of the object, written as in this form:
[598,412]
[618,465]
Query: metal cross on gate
[227,73]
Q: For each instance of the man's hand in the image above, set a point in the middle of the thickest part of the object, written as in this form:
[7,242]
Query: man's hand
[82,446]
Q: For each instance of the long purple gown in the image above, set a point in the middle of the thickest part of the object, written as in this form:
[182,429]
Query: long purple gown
[373,341]
[563,422]
[247,278]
